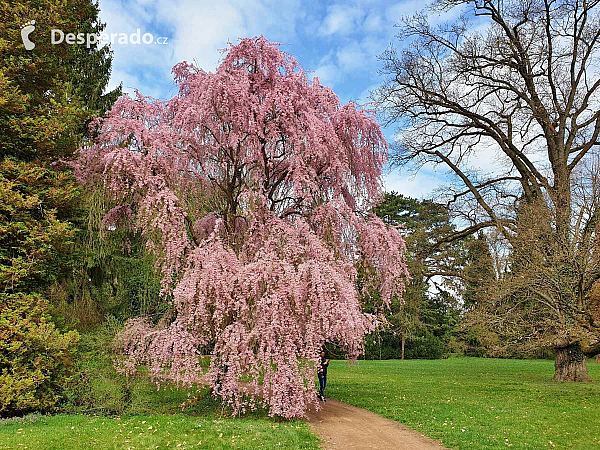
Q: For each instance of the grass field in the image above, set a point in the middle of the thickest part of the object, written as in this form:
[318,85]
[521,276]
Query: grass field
[152,431]
[154,420]
[473,403]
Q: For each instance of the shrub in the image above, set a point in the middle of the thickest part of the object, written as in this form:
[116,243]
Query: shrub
[389,346]
[35,358]
[98,387]
[427,346]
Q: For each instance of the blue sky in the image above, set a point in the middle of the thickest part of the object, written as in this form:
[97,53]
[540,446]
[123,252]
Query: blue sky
[338,42]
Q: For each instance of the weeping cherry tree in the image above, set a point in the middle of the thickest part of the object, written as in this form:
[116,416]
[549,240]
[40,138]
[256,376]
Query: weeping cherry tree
[252,186]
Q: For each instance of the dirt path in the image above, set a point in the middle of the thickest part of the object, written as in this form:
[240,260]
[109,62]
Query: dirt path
[342,426]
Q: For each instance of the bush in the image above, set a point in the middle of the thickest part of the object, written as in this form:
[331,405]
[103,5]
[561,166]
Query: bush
[427,346]
[382,346]
[35,358]
[389,346]
[98,387]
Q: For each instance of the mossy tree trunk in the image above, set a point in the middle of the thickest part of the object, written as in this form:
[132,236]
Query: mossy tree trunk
[570,365]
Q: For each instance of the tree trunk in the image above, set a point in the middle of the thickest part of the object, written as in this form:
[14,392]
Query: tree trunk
[402,334]
[569,364]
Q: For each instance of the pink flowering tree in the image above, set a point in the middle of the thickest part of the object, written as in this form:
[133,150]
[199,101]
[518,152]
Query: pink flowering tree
[253,187]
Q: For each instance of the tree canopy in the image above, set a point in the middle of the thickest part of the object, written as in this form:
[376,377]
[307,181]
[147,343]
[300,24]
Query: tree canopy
[47,95]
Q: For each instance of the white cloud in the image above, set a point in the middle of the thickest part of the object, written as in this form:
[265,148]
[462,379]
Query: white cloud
[394,13]
[131,82]
[201,28]
[196,31]
[136,65]
[373,22]
[352,57]
[341,19]
[328,74]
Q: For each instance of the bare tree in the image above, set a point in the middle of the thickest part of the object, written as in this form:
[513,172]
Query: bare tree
[519,79]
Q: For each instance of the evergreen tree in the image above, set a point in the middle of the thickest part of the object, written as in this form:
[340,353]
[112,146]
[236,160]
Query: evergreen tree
[47,95]
[479,270]
[426,318]
[91,66]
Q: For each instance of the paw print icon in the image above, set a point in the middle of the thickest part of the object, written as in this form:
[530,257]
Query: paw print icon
[26,30]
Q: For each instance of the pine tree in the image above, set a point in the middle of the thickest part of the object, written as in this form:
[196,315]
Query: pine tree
[423,222]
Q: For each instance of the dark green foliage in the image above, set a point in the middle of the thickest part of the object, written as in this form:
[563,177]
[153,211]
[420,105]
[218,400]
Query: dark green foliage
[428,339]
[98,388]
[470,341]
[91,66]
[111,280]
[426,346]
[427,318]
[479,270]
[115,275]
[138,286]
[35,358]
[38,111]
[35,241]
[35,238]
[47,96]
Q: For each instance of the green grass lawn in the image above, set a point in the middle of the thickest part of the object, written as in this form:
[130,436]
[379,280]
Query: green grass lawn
[466,403]
[473,403]
[154,419]
[153,431]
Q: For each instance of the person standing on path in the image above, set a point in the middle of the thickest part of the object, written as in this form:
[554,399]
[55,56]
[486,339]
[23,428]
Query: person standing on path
[322,374]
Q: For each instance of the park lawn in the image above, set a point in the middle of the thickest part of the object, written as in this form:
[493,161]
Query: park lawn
[475,403]
[154,419]
[153,431]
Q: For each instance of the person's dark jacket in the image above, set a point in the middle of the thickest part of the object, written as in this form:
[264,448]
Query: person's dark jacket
[323,368]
